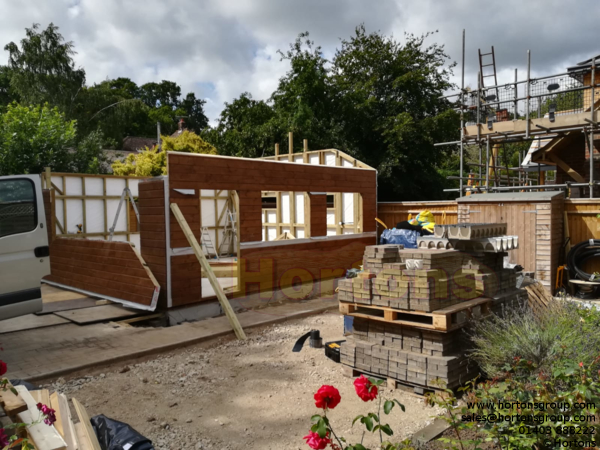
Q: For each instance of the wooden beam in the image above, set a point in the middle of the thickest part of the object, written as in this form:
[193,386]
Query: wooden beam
[88,436]
[291,146]
[42,436]
[61,405]
[568,169]
[233,320]
[12,403]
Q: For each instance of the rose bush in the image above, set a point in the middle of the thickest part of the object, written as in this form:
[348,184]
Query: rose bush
[328,397]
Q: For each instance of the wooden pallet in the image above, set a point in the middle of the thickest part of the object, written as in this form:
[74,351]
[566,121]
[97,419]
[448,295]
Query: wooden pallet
[538,297]
[391,383]
[446,319]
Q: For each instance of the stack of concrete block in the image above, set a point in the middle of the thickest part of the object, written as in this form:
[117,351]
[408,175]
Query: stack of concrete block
[376,256]
[345,289]
[362,287]
[389,289]
[407,354]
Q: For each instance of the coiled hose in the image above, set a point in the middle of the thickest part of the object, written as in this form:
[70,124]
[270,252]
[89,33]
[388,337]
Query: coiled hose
[579,254]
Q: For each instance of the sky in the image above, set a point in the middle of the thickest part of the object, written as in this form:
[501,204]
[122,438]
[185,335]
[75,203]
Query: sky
[221,48]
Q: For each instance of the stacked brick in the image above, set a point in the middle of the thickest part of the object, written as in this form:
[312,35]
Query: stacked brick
[406,354]
[425,281]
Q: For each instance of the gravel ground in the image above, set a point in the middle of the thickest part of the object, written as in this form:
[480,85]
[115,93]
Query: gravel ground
[238,395]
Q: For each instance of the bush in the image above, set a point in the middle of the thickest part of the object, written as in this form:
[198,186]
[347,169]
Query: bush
[562,333]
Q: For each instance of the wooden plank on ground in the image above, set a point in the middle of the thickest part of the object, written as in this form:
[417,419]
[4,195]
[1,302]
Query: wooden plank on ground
[81,437]
[233,320]
[87,437]
[66,305]
[103,313]
[11,403]
[70,434]
[29,322]
[54,404]
[41,396]
[44,437]
[51,294]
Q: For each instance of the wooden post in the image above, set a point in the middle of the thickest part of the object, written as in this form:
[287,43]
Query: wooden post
[276,152]
[291,146]
[233,320]
[305,159]
[48,177]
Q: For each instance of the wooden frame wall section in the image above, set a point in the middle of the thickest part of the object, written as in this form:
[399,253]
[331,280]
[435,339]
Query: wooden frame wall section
[113,270]
[444,212]
[249,177]
[60,193]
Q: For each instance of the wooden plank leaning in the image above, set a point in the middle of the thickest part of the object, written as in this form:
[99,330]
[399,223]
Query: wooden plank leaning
[233,320]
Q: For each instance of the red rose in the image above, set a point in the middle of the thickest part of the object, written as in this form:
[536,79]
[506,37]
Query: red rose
[365,389]
[580,364]
[315,442]
[327,397]
[3,368]
[4,438]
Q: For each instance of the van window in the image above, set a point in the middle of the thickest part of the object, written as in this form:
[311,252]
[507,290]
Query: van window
[18,211]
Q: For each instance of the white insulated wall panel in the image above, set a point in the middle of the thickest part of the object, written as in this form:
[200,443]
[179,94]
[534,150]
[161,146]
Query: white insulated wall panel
[94,216]
[285,207]
[115,186]
[329,158]
[207,213]
[299,159]
[73,186]
[94,186]
[347,207]
[299,207]
[330,217]
[314,159]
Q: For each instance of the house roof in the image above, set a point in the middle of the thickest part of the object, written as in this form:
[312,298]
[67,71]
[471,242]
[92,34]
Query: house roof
[510,197]
[137,143]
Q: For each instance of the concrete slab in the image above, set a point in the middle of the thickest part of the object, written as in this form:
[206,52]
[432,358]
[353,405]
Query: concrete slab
[101,313]
[59,350]
[29,322]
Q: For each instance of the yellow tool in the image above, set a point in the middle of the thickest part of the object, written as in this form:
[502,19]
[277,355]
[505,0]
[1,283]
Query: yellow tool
[381,222]
[560,272]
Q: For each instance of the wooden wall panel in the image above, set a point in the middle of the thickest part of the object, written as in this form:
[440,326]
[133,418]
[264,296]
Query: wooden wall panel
[318,215]
[250,220]
[186,280]
[50,213]
[191,171]
[584,224]
[106,268]
[277,265]
[190,207]
[152,214]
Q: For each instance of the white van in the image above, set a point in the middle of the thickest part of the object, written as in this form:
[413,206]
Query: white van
[24,251]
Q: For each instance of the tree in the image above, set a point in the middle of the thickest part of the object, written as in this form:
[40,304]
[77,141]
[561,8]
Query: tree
[151,162]
[392,110]
[43,69]
[305,101]
[89,156]
[35,137]
[247,128]
[193,108]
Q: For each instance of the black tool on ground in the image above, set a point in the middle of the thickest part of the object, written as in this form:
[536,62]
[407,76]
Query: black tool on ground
[316,341]
[115,435]
[332,350]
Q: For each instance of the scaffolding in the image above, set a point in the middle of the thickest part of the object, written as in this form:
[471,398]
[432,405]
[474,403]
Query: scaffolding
[544,109]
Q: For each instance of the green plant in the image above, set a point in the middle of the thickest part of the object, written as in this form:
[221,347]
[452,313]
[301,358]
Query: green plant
[563,332]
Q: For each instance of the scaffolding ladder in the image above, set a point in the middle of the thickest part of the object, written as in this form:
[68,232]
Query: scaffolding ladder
[126,194]
[207,243]
[229,233]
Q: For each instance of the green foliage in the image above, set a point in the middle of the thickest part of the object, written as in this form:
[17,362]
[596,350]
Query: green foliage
[89,157]
[151,163]
[550,338]
[247,128]
[43,69]
[35,137]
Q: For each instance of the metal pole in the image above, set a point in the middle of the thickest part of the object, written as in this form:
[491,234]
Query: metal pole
[592,130]
[520,166]
[487,158]
[462,116]
[158,135]
[528,91]
[480,162]
[516,114]
[478,105]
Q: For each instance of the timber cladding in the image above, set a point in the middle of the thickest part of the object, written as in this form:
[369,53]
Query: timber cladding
[280,267]
[152,232]
[111,269]
[250,176]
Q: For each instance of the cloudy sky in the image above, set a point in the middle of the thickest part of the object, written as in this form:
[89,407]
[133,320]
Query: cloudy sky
[220,48]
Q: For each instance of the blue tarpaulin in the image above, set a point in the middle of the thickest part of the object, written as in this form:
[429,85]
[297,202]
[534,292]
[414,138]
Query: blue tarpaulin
[408,238]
